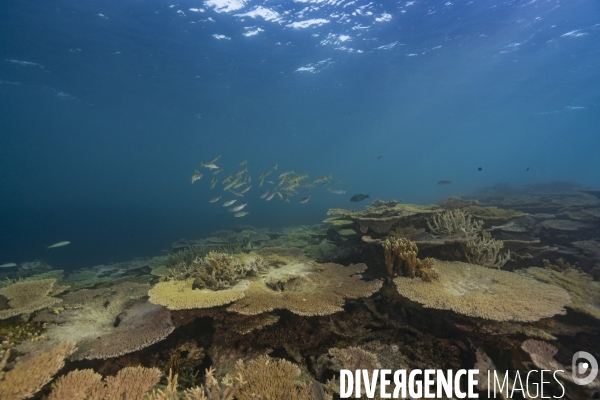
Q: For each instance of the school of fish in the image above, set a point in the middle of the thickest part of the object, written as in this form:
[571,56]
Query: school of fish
[284,185]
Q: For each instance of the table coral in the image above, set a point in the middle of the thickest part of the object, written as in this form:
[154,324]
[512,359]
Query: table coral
[306,290]
[486,293]
[180,295]
[28,296]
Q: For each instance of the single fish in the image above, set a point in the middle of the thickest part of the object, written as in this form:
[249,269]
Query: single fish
[265,194]
[238,194]
[59,244]
[240,214]
[322,179]
[527,169]
[214,160]
[210,165]
[445,182]
[243,162]
[216,171]
[215,199]
[214,182]
[240,172]
[245,189]
[275,166]
[197,175]
[336,191]
[380,157]
[229,186]
[479,169]
[8,265]
[238,208]
[229,202]
[304,200]
[239,185]
[269,197]
[286,173]
[358,197]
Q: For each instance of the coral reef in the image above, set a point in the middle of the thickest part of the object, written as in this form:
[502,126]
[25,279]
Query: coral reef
[180,295]
[453,222]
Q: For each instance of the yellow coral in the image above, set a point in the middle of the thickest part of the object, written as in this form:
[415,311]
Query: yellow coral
[487,293]
[405,251]
[179,295]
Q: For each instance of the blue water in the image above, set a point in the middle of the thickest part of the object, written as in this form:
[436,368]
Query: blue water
[107,107]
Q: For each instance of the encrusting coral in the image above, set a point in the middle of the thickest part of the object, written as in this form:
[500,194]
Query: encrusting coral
[28,377]
[28,296]
[405,252]
[306,290]
[477,291]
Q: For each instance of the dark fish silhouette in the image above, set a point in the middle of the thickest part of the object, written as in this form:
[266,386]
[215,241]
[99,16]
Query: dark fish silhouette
[527,169]
[479,169]
[380,157]
[358,197]
[445,182]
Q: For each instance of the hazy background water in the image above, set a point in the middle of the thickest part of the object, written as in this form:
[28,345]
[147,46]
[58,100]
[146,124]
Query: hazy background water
[107,107]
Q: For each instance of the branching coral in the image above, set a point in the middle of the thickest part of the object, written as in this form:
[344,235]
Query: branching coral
[354,358]
[28,377]
[484,250]
[485,293]
[409,265]
[131,383]
[452,222]
[211,390]
[218,271]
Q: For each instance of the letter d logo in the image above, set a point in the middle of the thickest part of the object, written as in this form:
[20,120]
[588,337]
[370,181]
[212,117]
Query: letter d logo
[579,369]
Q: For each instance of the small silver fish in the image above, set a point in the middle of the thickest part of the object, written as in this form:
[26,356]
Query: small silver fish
[286,173]
[59,244]
[241,214]
[269,197]
[238,208]
[265,194]
[245,189]
[228,203]
[243,162]
[229,186]
[8,265]
[336,191]
[304,200]
[445,182]
[214,199]
[214,160]
[210,166]
[197,175]
[238,194]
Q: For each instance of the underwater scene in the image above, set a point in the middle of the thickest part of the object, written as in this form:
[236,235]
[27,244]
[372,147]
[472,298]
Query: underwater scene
[299,199]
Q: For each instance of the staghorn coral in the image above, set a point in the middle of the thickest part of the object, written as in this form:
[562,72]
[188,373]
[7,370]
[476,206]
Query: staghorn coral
[486,293]
[218,271]
[584,292]
[306,290]
[28,377]
[452,222]
[409,265]
[180,295]
[106,322]
[28,296]
[211,390]
[484,250]
[131,383]
[268,378]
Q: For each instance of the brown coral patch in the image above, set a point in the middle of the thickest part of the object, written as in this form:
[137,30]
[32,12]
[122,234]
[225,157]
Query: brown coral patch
[307,291]
[28,296]
[179,295]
